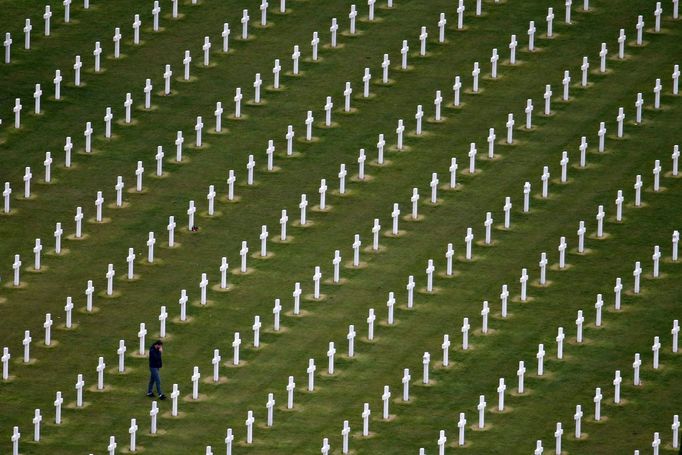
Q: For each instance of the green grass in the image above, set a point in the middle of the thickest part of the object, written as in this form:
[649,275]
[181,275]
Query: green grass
[320,414]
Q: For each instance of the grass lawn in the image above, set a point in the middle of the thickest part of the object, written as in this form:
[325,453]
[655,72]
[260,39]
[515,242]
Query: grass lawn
[379,362]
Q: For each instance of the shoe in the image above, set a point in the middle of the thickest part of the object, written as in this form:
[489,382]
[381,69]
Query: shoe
[150,394]
[162,397]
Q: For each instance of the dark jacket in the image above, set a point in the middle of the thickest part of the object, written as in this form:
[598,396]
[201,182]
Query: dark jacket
[154,358]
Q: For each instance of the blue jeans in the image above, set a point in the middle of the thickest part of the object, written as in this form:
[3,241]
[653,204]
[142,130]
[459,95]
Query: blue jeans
[154,378]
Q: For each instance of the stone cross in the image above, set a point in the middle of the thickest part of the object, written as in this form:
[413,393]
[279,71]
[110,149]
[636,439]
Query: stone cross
[365,80]
[548,99]
[577,417]
[621,44]
[637,272]
[290,140]
[58,408]
[640,29]
[57,84]
[229,439]
[175,393]
[296,54]
[657,94]
[264,241]
[485,311]
[423,35]
[333,29]
[531,36]
[89,290]
[198,127]
[521,372]
[37,419]
[317,277]
[545,181]
[638,190]
[47,16]
[399,131]
[163,315]
[68,308]
[100,373]
[16,266]
[330,356]
[309,126]
[17,113]
[676,79]
[36,95]
[524,283]
[270,405]
[616,384]
[491,143]
[598,306]
[136,29]
[356,250]
[676,432]
[77,68]
[257,85]
[108,117]
[385,64]
[656,348]
[619,119]
[8,47]
[472,158]
[475,73]
[581,236]
[370,324]
[541,359]
[16,436]
[449,254]
[657,440]
[351,340]
[365,419]
[500,394]
[314,43]
[442,22]
[468,239]
[390,303]
[225,34]
[151,241]
[579,326]
[352,16]
[539,450]
[245,24]
[235,347]
[406,384]
[311,374]
[543,268]
[597,404]
[617,291]
[512,49]
[410,291]
[376,228]
[380,149]
[465,334]
[441,442]
[656,257]
[456,87]
[568,11]
[303,205]
[153,415]
[276,310]
[243,252]
[395,215]
[210,196]
[461,424]
[550,19]
[80,385]
[636,366]
[504,297]
[638,106]
[48,326]
[584,68]
[117,42]
[111,273]
[121,351]
[510,128]
[148,94]
[141,334]
[5,363]
[195,383]
[291,386]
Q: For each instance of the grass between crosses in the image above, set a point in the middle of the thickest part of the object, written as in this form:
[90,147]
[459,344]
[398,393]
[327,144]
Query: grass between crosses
[550,399]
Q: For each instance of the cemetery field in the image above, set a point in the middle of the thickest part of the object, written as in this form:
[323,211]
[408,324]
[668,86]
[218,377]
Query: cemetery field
[432,281]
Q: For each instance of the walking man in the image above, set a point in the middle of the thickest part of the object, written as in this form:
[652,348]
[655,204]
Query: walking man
[155,364]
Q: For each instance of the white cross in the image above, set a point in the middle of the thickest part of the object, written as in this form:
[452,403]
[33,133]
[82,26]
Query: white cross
[235,346]
[512,48]
[291,386]
[468,239]
[370,324]
[578,419]
[117,42]
[256,85]
[636,365]
[548,99]
[365,79]
[198,127]
[333,29]
[521,374]
[597,404]
[621,44]
[108,116]
[328,112]
[465,334]
[207,50]
[460,15]
[504,296]
[657,94]
[638,105]
[376,228]
[550,18]
[225,34]
[524,281]
[155,12]
[619,119]
[500,393]
[127,104]
[314,43]
[175,393]
[163,316]
[311,374]
[365,419]
[77,68]
[676,79]
[472,158]
[136,29]
[638,190]
[148,94]
[568,11]
[475,72]
[275,71]
[352,15]
[309,126]
[167,74]
[121,356]
[195,383]
[295,55]
[245,24]
[330,356]
[190,214]
[655,348]
[178,146]
[617,291]
[531,36]
[303,205]
[541,357]
[46,17]
[584,67]
[510,128]
[410,291]
[640,29]
[270,405]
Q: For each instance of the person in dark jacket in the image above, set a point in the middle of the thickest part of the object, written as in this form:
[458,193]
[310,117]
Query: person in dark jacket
[155,363]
